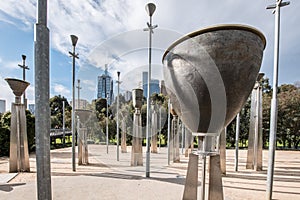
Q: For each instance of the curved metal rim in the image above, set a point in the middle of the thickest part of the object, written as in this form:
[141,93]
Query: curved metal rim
[18,80]
[216,28]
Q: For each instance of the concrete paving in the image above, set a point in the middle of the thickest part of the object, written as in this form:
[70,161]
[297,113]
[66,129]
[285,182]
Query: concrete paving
[107,178]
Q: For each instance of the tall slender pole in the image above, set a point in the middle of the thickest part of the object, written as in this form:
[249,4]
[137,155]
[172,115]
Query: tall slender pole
[237,135]
[169,131]
[78,93]
[64,126]
[273,120]
[150,8]
[24,67]
[118,82]
[159,135]
[106,122]
[42,110]
[73,55]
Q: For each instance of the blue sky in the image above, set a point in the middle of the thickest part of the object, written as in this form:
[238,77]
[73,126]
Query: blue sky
[111,32]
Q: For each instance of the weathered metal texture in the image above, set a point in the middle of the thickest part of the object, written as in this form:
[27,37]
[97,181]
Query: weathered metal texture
[189,139]
[137,151]
[175,137]
[18,86]
[215,191]
[254,153]
[154,131]
[191,181]
[251,136]
[210,73]
[83,152]
[18,155]
[123,137]
[259,163]
[222,139]
[42,109]
[84,117]
[137,98]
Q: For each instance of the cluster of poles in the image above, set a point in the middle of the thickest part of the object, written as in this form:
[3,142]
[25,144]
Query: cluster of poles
[42,99]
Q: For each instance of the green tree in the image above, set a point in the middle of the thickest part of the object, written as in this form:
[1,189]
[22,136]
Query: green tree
[56,110]
[5,132]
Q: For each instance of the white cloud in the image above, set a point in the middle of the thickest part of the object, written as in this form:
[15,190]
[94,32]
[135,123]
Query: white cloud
[59,89]
[111,31]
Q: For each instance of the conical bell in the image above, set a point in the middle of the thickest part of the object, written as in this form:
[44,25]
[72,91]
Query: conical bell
[18,87]
[210,73]
[84,115]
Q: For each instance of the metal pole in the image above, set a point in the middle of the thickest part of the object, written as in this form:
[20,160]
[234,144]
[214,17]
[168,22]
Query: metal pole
[256,128]
[150,8]
[42,110]
[106,123]
[169,132]
[273,120]
[148,108]
[78,93]
[182,136]
[203,167]
[73,113]
[159,134]
[118,115]
[64,128]
[237,133]
[24,67]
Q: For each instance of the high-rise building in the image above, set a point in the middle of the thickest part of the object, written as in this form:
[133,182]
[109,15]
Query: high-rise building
[128,95]
[154,85]
[2,106]
[105,87]
[81,103]
[163,89]
[31,108]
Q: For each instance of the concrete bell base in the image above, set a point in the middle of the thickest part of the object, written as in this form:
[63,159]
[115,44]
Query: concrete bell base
[18,155]
[215,190]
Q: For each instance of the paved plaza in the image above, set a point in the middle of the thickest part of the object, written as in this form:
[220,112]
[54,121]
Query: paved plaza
[107,178]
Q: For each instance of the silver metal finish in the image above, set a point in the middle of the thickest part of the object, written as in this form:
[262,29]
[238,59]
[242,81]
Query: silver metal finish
[107,98]
[118,82]
[137,151]
[273,120]
[169,131]
[237,133]
[209,75]
[175,137]
[150,8]
[24,67]
[78,94]
[42,109]
[223,151]
[206,54]
[153,128]
[74,40]
[254,154]
[83,118]
[64,125]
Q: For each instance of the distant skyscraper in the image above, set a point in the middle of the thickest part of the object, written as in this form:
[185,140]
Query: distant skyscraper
[163,89]
[154,85]
[31,108]
[2,106]
[105,87]
[128,96]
